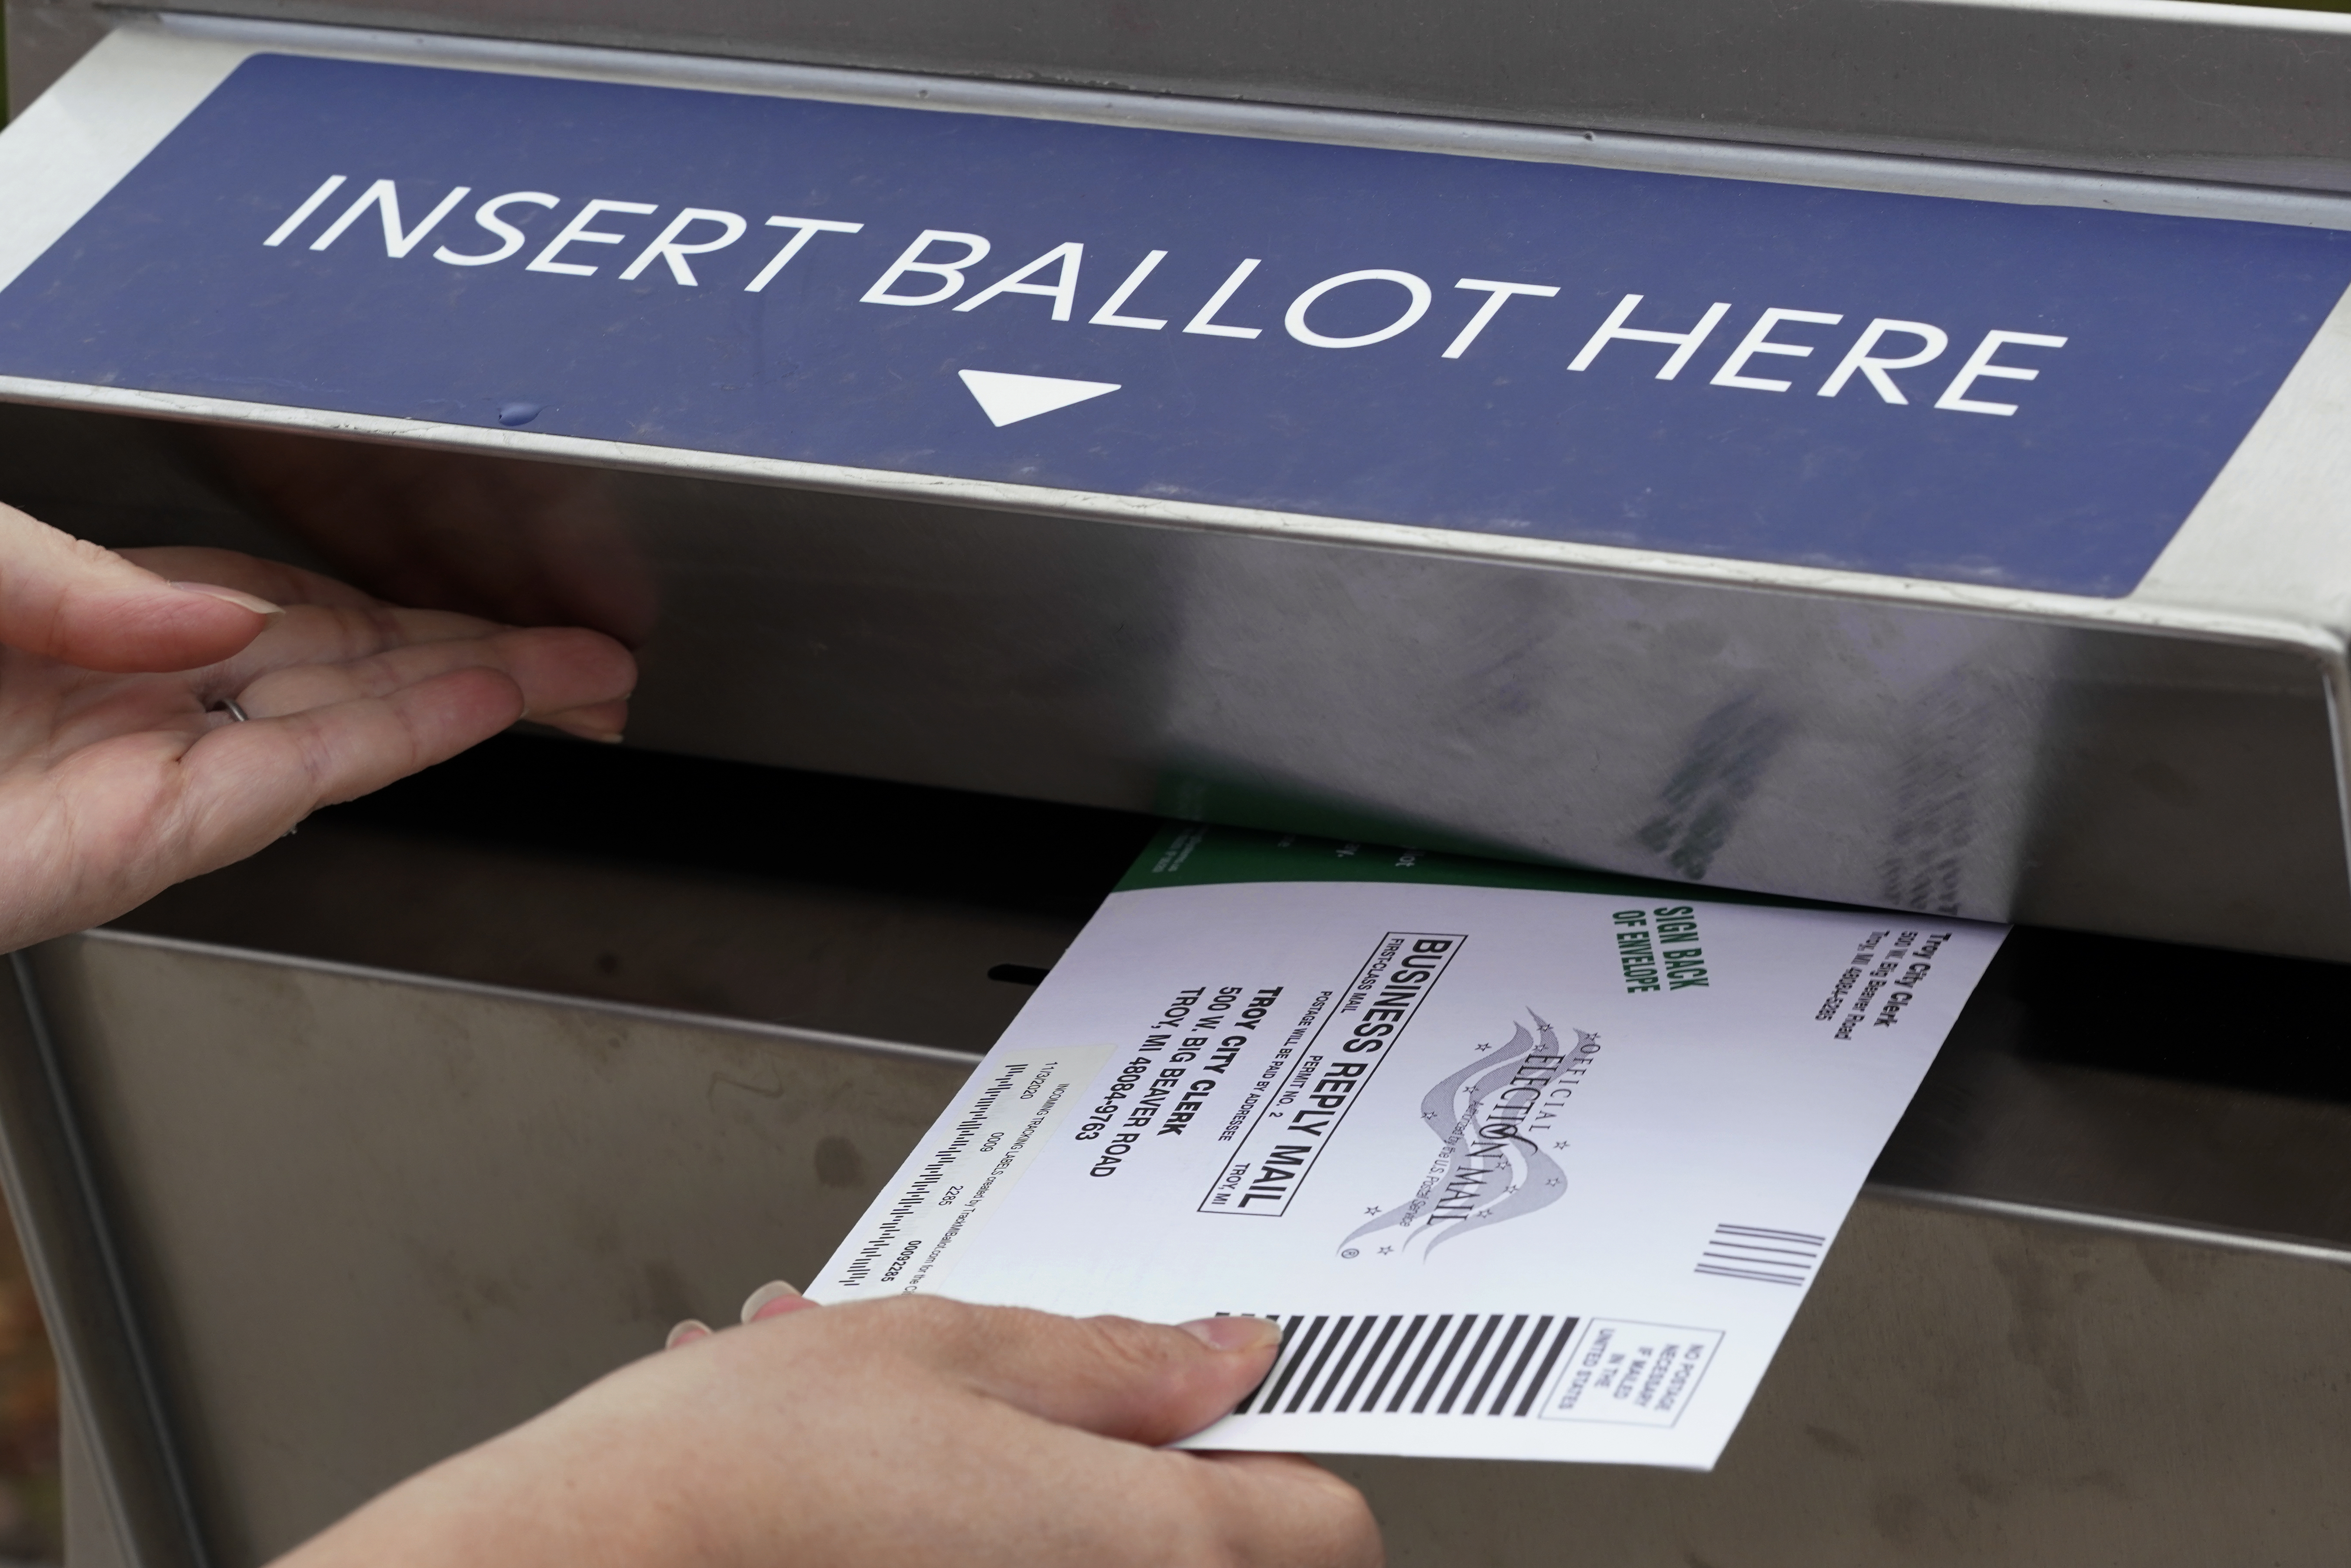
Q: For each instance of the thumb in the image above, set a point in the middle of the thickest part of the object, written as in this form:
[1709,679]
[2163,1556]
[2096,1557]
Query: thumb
[1143,1383]
[66,598]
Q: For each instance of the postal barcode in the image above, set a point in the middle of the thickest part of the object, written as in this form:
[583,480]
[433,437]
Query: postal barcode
[1431,1364]
[1753,1252]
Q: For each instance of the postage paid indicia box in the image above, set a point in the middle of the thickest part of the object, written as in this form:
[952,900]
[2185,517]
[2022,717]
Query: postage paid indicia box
[1527,1164]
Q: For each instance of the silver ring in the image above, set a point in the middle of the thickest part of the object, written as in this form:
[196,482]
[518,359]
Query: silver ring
[234,712]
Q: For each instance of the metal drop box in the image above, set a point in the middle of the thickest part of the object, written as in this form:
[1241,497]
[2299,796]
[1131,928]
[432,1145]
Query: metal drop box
[323,1193]
[1661,515]
[949,560]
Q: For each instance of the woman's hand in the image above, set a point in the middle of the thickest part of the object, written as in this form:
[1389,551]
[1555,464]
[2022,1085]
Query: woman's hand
[910,1432]
[913,1432]
[121,772]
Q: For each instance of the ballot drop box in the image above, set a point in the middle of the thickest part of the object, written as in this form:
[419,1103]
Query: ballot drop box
[1890,452]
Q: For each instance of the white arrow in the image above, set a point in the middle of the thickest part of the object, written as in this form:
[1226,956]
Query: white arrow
[1008,398]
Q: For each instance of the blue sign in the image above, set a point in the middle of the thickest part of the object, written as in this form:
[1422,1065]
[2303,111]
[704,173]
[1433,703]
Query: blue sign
[2028,396]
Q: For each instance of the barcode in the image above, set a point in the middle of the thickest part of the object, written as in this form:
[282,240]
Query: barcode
[1750,1252]
[1453,1363]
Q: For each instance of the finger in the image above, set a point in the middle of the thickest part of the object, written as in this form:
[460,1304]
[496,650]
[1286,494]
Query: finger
[686,1332]
[245,784]
[128,817]
[1280,1509]
[317,635]
[66,598]
[1144,1383]
[271,579]
[774,1300]
[559,670]
[309,635]
[595,721]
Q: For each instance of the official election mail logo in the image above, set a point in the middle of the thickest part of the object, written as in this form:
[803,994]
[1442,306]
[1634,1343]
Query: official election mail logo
[1490,1120]
[2020,395]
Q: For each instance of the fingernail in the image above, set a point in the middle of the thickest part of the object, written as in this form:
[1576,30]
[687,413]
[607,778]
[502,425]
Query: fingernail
[755,1304]
[686,1332]
[242,599]
[578,731]
[1234,1333]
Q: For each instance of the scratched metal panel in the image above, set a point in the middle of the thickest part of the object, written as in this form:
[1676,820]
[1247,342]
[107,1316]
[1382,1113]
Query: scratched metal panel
[294,1159]
[2204,91]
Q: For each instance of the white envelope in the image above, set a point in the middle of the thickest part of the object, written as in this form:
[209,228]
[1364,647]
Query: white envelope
[1528,1164]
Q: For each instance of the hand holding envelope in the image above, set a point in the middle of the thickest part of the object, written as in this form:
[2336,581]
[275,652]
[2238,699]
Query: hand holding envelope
[1525,1164]
[916,1432]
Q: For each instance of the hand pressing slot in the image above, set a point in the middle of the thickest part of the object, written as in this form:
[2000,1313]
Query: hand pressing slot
[165,711]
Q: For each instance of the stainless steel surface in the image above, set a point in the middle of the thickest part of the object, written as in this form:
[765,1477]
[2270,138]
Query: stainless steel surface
[1933,758]
[815,958]
[2157,767]
[446,1167]
[2003,1129]
[2252,95]
[369,1219]
[808,955]
[2044,1099]
[1963,1388]
[138,1495]
[93,1535]
[2131,191]
[717,888]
